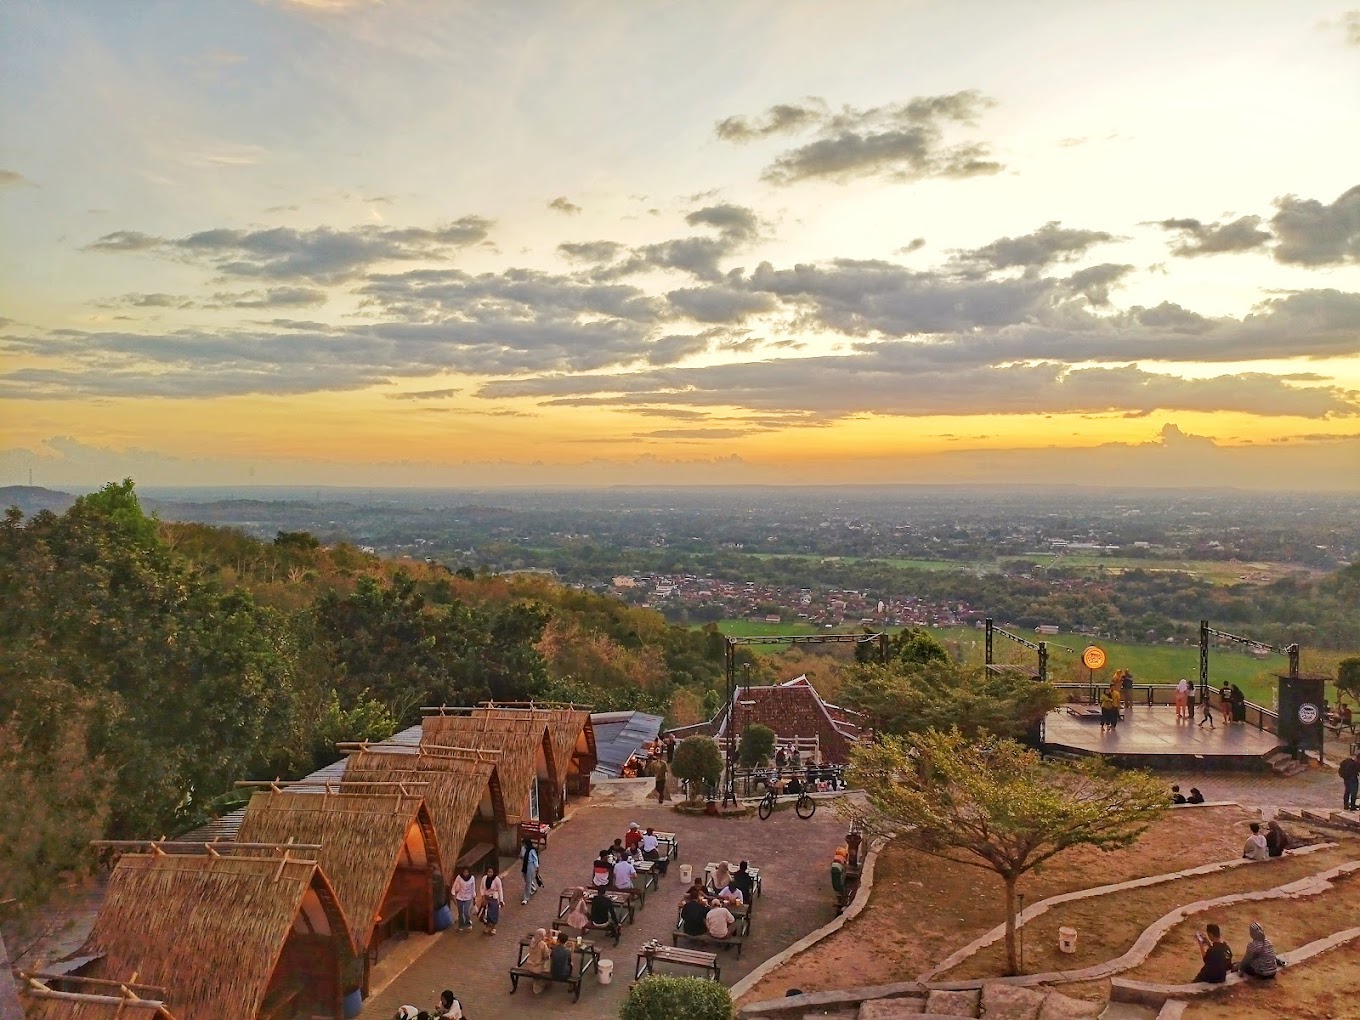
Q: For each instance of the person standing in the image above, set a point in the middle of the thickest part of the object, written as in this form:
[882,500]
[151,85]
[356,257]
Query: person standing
[1225,703]
[528,866]
[1349,770]
[1239,704]
[670,748]
[464,892]
[659,770]
[492,895]
[1208,709]
[1182,699]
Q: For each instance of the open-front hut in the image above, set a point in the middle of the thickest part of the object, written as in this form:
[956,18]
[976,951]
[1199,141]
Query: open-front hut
[54,997]
[526,768]
[231,933]
[379,850]
[571,740]
[462,792]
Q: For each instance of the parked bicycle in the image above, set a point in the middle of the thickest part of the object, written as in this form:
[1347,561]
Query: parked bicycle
[805,807]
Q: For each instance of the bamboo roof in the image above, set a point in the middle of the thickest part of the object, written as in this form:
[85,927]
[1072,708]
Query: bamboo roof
[454,788]
[566,726]
[84,999]
[209,927]
[519,735]
[361,837]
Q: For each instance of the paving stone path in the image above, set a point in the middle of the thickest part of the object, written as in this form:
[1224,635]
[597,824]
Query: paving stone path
[793,855]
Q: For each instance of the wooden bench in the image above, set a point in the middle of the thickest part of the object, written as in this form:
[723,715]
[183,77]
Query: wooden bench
[474,858]
[709,940]
[573,983]
[535,832]
[588,959]
[648,958]
[282,1003]
[742,915]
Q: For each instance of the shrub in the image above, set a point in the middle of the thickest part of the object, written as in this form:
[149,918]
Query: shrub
[697,761]
[756,745]
[672,998]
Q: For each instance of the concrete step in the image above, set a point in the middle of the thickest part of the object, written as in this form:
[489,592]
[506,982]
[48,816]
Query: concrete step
[1277,758]
[1128,1011]
[1347,818]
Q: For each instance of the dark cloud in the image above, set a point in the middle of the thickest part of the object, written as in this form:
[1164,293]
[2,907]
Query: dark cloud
[896,380]
[1094,282]
[590,251]
[1049,244]
[667,350]
[320,255]
[720,304]
[563,205]
[915,244]
[778,119]
[276,297]
[1196,238]
[422,395]
[14,179]
[1313,234]
[899,141]
[735,222]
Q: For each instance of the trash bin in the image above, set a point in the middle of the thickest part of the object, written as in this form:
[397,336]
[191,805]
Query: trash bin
[606,971]
[686,873]
[1067,940]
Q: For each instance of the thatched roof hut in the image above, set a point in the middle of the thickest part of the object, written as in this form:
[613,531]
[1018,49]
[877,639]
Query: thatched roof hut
[226,935]
[374,848]
[80,998]
[521,736]
[456,786]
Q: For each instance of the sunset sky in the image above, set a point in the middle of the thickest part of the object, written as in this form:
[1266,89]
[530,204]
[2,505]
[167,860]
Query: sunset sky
[391,242]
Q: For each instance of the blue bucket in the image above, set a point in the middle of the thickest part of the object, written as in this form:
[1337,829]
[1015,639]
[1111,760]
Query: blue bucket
[354,1001]
[443,918]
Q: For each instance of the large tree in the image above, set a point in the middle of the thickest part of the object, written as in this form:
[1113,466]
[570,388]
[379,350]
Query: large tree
[909,697]
[992,803]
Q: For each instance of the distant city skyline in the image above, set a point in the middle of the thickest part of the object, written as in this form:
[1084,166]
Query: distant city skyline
[395,242]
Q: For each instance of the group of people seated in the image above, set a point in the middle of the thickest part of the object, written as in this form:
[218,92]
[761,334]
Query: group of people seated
[616,865]
[593,909]
[1216,956]
[1263,846]
[1179,798]
[449,1008]
[550,956]
[709,910]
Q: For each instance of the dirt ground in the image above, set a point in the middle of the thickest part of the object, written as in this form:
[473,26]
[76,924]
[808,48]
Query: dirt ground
[1288,924]
[1107,926]
[922,909]
[1324,988]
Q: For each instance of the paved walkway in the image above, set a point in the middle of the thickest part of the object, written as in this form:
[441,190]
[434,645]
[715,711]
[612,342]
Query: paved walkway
[1316,788]
[793,855]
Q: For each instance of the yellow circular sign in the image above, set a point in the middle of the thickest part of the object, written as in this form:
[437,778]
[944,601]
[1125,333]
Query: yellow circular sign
[1093,657]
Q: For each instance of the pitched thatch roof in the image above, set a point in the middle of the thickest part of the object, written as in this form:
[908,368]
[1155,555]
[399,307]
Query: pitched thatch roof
[519,735]
[454,786]
[565,725]
[208,928]
[361,836]
[83,999]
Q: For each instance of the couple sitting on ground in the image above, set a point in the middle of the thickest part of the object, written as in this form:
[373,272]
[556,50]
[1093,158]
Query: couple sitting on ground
[1258,961]
[1261,848]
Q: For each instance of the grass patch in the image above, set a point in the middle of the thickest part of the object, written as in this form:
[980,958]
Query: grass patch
[1109,925]
[1326,987]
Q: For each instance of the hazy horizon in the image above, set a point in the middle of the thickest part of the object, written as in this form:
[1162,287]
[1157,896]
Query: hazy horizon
[407,243]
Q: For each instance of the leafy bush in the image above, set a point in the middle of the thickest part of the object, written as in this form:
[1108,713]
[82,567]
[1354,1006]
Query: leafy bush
[756,746]
[1348,676]
[697,761]
[671,998]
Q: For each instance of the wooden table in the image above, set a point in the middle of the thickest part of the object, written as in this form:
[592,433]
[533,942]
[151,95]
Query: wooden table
[622,902]
[650,956]
[711,869]
[741,913]
[669,841]
[586,952]
[649,873]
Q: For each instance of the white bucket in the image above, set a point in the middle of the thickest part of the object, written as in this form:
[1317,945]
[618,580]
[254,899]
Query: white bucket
[686,873]
[1067,940]
[606,971]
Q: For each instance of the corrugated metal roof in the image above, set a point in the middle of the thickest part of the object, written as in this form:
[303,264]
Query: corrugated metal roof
[618,735]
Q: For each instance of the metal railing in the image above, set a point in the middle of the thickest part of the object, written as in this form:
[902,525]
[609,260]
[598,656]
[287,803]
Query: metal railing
[1264,719]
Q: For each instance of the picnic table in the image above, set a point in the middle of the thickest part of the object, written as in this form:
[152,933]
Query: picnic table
[587,959]
[741,913]
[623,905]
[711,868]
[649,873]
[650,955]
[669,842]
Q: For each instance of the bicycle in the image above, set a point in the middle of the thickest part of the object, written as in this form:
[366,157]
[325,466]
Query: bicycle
[805,807]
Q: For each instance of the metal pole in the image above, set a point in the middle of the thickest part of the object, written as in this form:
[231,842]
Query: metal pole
[1204,655]
[731,669]
[987,642]
[1043,660]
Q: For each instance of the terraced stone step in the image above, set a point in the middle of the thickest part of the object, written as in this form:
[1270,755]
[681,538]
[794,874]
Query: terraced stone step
[1127,1011]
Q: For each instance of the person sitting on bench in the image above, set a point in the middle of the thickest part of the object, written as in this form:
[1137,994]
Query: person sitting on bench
[601,871]
[744,881]
[719,922]
[694,913]
[602,914]
[731,893]
[561,962]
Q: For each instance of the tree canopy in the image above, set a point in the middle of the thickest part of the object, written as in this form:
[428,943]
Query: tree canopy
[992,803]
[699,762]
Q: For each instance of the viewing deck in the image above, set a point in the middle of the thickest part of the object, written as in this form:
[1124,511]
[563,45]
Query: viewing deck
[1151,737]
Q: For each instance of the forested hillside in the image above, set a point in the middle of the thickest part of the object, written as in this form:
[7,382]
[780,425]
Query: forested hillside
[144,667]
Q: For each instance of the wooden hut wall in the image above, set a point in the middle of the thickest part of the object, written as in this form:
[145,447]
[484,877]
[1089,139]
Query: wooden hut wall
[523,742]
[462,795]
[213,931]
[362,837]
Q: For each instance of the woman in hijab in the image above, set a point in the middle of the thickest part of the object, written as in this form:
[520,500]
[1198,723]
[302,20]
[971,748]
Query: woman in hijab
[578,916]
[722,875]
[1277,840]
[1259,959]
[492,895]
[539,960]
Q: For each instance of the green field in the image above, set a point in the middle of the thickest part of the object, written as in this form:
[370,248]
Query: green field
[1149,663]
[892,561]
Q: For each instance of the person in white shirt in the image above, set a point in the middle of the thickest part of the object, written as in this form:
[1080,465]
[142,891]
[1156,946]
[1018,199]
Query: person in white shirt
[464,892]
[449,1006]
[624,873]
[1256,848]
[730,893]
[492,895]
[720,922]
[1183,709]
[649,845]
